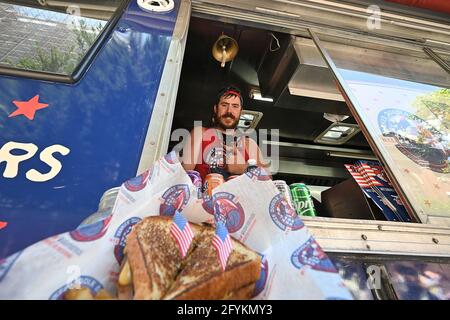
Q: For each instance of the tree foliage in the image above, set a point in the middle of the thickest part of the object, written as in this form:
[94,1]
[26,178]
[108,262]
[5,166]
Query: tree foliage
[57,61]
[435,105]
[49,61]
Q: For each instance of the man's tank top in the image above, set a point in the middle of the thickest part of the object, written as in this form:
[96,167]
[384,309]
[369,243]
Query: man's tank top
[213,159]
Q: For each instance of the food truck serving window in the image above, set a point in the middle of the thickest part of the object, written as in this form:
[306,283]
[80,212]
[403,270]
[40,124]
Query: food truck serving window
[401,98]
[51,37]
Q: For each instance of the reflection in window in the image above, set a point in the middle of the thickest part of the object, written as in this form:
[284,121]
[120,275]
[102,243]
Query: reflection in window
[354,275]
[403,98]
[420,281]
[48,39]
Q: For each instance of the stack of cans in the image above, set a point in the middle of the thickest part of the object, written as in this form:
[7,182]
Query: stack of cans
[302,199]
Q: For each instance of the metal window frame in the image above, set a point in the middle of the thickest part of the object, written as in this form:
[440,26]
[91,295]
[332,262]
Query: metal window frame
[334,235]
[292,17]
[380,237]
[437,58]
[82,66]
[158,134]
[352,102]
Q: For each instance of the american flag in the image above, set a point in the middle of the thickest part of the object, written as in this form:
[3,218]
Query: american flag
[222,243]
[365,177]
[367,171]
[182,232]
[359,178]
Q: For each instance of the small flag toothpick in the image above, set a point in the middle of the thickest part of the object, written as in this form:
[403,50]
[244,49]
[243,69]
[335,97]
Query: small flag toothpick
[222,243]
[182,232]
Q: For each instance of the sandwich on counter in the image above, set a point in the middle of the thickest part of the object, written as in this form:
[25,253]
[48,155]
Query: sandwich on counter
[153,266]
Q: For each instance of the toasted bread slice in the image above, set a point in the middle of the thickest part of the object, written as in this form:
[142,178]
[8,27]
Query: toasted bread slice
[243,293]
[154,257]
[203,278]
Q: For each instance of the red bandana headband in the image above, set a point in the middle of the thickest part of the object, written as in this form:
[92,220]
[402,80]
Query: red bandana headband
[232,92]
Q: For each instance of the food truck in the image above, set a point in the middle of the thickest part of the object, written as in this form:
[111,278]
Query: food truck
[92,93]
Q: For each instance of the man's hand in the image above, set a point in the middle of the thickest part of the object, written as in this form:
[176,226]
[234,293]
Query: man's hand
[235,159]
[236,163]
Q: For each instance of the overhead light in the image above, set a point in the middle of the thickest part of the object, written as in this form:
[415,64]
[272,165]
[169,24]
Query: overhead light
[256,95]
[249,119]
[338,133]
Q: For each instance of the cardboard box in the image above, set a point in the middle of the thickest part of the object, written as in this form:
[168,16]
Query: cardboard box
[346,200]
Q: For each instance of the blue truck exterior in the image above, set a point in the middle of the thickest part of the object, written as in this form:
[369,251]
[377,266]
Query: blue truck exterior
[102,119]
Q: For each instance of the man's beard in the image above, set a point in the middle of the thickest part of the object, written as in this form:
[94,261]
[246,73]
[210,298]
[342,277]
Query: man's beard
[218,121]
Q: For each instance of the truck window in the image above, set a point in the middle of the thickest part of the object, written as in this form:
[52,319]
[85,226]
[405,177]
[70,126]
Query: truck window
[51,38]
[402,97]
[294,96]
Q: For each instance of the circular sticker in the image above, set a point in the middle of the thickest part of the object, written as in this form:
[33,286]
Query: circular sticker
[174,199]
[228,210]
[283,215]
[311,254]
[138,183]
[207,203]
[91,232]
[121,235]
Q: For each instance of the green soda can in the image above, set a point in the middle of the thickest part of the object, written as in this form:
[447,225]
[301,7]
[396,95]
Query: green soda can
[301,197]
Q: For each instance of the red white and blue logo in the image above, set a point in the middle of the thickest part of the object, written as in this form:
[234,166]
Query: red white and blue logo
[83,281]
[91,232]
[174,199]
[121,236]
[283,215]
[208,203]
[311,254]
[263,276]
[258,173]
[229,211]
[7,263]
[138,183]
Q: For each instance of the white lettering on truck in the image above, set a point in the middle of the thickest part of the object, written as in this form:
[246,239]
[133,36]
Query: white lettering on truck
[46,156]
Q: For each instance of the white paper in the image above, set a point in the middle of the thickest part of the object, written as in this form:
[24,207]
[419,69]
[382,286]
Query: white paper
[293,264]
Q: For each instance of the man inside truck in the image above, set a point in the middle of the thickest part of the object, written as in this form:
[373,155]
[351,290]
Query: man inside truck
[221,148]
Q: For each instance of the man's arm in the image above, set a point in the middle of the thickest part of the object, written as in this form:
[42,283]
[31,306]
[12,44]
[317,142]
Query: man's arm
[254,152]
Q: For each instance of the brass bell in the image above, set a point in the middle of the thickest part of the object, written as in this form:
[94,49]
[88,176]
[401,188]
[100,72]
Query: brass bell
[225,49]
